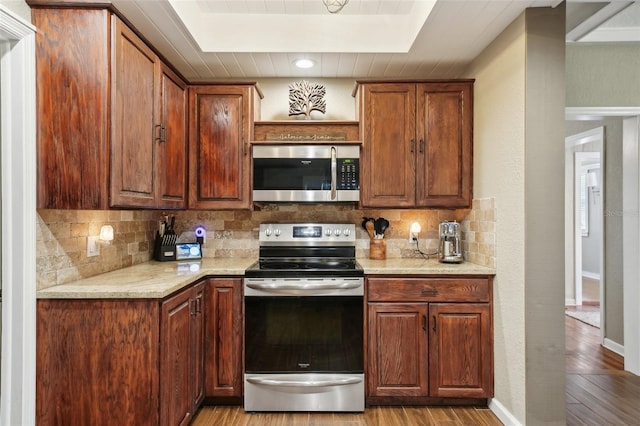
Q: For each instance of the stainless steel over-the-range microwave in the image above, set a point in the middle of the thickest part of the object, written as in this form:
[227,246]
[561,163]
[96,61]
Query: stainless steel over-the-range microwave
[306,173]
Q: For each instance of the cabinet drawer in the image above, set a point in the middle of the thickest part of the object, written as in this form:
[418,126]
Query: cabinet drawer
[428,290]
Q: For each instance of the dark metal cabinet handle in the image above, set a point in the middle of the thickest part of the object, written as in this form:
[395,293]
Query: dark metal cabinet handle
[158,132]
[413,145]
[161,130]
[429,292]
[424,322]
[421,146]
[434,324]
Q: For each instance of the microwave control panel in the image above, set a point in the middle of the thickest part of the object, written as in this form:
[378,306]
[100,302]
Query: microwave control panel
[348,174]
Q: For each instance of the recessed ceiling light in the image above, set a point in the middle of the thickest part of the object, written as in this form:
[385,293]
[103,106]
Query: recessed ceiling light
[304,63]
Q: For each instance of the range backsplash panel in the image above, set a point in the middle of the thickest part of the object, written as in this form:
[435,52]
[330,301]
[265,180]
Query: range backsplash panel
[62,234]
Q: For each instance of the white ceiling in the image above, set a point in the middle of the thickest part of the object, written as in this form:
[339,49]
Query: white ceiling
[251,39]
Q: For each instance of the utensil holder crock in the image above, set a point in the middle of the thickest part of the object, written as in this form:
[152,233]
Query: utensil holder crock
[378,249]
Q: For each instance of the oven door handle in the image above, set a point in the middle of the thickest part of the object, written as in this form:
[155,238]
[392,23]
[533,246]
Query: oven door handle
[310,287]
[304,383]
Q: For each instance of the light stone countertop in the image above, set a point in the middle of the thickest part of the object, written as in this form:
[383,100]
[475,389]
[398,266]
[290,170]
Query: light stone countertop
[150,280]
[422,266]
[156,280]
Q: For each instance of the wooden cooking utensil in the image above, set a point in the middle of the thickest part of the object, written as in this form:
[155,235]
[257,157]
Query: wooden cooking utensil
[369,226]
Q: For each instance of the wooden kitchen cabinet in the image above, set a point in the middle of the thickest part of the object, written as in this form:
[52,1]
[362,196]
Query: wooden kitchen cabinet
[72,106]
[417,144]
[173,152]
[149,138]
[220,130]
[181,343]
[460,355]
[120,361]
[430,340]
[223,342]
[397,348]
[97,362]
[109,121]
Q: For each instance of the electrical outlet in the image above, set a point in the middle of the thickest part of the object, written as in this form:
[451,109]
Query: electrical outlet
[93,248]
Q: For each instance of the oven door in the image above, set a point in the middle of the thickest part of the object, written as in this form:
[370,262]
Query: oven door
[303,353]
[303,334]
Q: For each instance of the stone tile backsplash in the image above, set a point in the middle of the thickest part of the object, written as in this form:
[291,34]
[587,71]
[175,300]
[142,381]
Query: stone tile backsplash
[479,233]
[61,243]
[62,234]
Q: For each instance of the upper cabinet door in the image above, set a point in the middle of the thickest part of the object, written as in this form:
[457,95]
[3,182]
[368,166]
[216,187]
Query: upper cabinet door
[388,152]
[72,99]
[134,135]
[219,160]
[172,161]
[445,147]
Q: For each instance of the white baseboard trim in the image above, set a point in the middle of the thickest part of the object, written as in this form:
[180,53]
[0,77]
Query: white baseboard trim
[614,346]
[502,413]
[592,275]
[569,302]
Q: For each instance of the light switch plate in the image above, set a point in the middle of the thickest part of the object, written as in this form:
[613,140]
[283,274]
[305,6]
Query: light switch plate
[93,248]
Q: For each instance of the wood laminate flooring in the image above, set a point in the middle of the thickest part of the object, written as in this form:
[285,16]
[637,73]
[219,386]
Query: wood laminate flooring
[598,392]
[388,416]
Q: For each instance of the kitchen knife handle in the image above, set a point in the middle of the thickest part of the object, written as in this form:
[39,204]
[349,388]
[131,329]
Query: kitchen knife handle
[413,145]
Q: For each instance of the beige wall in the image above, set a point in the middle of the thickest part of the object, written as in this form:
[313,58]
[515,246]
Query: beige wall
[603,74]
[519,159]
[498,171]
[19,7]
[544,211]
[340,104]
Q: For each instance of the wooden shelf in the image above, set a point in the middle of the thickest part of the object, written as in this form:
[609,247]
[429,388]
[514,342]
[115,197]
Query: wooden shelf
[350,129]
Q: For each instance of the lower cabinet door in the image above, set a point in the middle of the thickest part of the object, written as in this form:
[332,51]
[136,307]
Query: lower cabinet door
[197,339]
[223,338]
[397,349]
[176,400]
[460,350]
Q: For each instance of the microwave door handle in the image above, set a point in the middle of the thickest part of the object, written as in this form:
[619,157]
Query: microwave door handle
[334,173]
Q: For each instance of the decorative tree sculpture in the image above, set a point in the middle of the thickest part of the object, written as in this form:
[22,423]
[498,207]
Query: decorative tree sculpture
[305,97]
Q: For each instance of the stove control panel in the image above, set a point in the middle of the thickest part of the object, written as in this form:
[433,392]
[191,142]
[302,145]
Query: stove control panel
[308,232]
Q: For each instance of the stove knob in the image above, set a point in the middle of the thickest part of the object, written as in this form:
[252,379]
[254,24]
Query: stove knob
[327,232]
[346,232]
[277,232]
[337,232]
[267,232]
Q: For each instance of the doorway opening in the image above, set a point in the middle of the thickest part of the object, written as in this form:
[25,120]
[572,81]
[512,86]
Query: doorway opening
[584,227]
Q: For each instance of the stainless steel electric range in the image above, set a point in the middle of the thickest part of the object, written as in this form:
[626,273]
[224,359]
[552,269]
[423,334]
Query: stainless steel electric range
[304,320]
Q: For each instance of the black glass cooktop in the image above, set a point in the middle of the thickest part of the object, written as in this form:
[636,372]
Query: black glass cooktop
[301,268]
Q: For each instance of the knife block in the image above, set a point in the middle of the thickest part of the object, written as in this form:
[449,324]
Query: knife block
[163,252]
[378,249]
